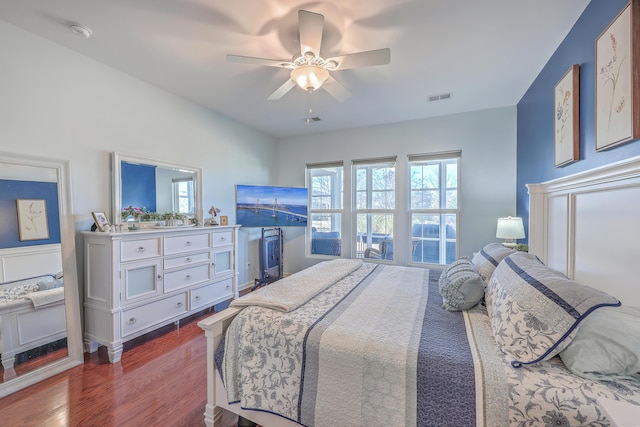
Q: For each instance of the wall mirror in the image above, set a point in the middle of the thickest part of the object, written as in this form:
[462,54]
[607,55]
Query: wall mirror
[155,185]
[40,329]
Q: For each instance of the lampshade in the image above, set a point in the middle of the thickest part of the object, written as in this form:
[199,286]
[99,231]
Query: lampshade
[510,228]
[309,76]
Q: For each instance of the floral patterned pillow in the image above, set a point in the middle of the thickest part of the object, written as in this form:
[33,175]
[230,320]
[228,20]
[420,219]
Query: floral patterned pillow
[488,259]
[535,310]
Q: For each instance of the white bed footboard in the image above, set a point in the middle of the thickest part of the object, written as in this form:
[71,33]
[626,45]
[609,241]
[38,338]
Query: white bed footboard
[214,328]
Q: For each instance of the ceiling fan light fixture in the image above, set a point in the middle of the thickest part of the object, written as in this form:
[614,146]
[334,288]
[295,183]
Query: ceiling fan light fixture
[309,76]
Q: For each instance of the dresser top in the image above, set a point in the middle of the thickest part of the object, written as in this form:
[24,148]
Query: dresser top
[159,229]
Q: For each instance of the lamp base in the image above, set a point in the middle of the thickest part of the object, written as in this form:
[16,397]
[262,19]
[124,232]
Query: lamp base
[509,243]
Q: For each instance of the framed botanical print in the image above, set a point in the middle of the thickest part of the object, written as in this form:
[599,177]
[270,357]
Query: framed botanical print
[32,219]
[567,117]
[617,75]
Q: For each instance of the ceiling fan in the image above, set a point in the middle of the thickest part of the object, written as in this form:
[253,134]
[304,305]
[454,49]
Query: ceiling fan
[309,70]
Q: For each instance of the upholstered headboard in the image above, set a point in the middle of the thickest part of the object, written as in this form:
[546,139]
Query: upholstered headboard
[29,261]
[587,225]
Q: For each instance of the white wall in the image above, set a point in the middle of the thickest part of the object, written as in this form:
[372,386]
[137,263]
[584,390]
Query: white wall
[57,103]
[487,139]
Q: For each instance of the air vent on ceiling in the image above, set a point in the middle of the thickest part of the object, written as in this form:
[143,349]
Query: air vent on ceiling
[312,119]
[440,97]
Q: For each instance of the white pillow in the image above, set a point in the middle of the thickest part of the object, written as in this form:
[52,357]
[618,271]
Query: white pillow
[607,343]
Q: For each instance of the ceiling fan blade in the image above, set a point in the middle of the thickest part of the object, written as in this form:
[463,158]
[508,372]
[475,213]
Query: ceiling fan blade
[310,31]
[259,61]
[279,93]
[335,89]
[361,59]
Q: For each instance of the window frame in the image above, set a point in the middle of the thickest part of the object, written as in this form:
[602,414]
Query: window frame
[337,212]
[442,158]
[357,247]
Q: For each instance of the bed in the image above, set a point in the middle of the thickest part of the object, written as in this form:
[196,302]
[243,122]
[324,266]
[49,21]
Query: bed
[32,310]
[476,367]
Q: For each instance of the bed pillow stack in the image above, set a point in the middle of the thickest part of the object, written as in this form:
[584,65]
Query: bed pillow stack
[488,259]
[535,310]
[460,285]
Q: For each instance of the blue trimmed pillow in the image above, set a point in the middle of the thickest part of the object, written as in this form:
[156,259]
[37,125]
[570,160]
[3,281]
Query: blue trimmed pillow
[535,310]
[488,259]
[460,285]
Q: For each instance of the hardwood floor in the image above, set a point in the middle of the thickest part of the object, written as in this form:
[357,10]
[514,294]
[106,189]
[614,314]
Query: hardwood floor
[160,381]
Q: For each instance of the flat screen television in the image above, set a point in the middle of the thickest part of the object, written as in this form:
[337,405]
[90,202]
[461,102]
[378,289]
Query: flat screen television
[270,206]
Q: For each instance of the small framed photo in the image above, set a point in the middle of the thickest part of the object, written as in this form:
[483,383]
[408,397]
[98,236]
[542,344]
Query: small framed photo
[224,220]
[32,219]
[567,117]
[101,220]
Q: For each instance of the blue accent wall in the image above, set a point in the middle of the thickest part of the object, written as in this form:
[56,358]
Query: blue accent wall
[535,121]
[10,191]
[138,186]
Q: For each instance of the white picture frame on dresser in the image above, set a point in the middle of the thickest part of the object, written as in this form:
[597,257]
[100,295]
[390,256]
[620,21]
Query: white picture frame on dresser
[136,282]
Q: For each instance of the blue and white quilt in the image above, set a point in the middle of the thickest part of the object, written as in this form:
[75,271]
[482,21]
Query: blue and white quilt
[376,348]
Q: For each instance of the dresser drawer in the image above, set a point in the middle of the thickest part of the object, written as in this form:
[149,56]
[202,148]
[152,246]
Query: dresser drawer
[142,317]
[185,243]
[222,238]
[206,295]
[186,260]
[132,250]
[185,277]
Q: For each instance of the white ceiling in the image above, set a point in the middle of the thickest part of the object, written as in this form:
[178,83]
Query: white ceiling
[487,53]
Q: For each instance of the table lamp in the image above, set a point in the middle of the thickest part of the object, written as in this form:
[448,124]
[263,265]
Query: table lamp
[510,228]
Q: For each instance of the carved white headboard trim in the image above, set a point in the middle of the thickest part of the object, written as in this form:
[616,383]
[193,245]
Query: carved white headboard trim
[587,225]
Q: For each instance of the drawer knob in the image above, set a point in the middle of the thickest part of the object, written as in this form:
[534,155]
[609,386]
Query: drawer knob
[222,239]
[178,304]
[228,287]
[187,260]
[159,276]
[188,243]
[187,277]
[132,321]
[140,249]
[197,298]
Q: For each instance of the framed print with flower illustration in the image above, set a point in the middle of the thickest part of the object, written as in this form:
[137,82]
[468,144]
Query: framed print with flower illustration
[101,220]
[32,219]
[567,117]
[617,75]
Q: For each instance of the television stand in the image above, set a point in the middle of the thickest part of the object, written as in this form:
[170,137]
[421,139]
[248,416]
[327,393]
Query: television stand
[271,245]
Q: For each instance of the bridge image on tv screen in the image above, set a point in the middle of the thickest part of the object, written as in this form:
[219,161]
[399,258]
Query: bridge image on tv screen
[269,206]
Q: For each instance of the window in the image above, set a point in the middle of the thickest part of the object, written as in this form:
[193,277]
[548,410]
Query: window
[325,183]
[183,195]
[374,202]
[434,209]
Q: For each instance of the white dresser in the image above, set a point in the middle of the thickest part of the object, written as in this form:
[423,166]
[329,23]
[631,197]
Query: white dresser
[135,282]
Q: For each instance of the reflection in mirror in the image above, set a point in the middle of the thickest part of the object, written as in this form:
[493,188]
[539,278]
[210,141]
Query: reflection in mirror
[39,311]
[155,186]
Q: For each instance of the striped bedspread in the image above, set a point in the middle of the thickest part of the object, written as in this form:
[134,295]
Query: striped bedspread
[377,349]
[365,352]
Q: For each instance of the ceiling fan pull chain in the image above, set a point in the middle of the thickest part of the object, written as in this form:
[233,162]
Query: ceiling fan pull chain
[309,110]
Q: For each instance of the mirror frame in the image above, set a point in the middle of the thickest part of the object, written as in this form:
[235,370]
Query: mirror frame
[75,355]
[118,158]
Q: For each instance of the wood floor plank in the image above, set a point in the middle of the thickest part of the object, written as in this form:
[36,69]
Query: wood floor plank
[160,381]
